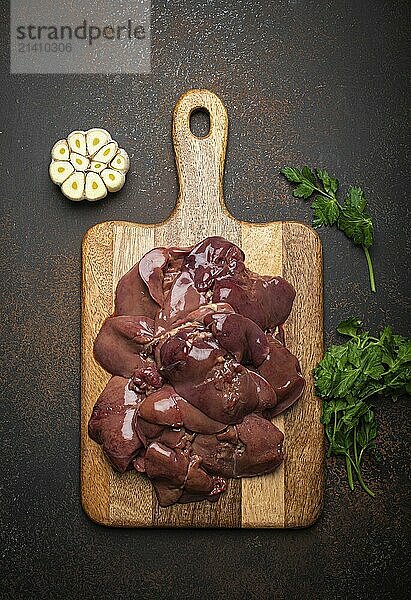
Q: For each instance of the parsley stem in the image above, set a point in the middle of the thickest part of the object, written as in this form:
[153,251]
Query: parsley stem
[334,430]
[370,268]
[357,468]
[374,392]
[382,388]
[355,448]
[364,485]
[348,462]
[324,193]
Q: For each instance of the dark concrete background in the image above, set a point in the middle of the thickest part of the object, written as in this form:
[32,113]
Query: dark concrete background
[323,83]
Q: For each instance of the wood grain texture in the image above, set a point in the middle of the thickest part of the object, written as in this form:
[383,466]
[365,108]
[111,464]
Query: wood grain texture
[262,498]
[292,495]
[302,259]
[97,302]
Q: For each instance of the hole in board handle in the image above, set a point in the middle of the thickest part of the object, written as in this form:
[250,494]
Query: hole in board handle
[200,122]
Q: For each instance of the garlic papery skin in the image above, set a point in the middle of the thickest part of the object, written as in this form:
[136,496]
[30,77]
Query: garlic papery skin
[79,162]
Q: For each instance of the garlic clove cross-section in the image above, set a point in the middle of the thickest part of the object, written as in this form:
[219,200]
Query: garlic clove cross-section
[77,142]
[106,153]
[96,166]
[73,187]
[60,170]
[80,163]
[121,162]
[96,139]
[114,180]
[60,150]
[95,188]
[88,164]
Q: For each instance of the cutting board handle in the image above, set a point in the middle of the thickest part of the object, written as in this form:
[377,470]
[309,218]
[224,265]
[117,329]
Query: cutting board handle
[200,161]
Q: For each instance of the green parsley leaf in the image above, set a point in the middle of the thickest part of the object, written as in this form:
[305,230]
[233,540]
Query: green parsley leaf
[304,190]
[330,184]
[355,199]
[326,211]
[404,352]
[371,364]
[309,175]
[349,327]
[349,217]
[357,226]
[292,174]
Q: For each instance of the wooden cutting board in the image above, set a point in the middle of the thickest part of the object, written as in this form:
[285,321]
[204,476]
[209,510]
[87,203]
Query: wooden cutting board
[292,495]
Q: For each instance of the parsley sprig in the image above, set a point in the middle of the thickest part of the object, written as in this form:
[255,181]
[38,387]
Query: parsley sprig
[347,378]
[350,217]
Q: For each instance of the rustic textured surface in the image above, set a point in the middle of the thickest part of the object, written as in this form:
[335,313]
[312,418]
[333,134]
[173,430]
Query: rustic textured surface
[292,495]
[303,81]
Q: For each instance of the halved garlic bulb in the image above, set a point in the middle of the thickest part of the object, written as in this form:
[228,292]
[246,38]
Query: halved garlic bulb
[80,163]
[95,188]
[106,153]
[77,142]
[121,162]
[96,138]
[114,180]
[73,187]
[60,150]
[88,164]
[59,171]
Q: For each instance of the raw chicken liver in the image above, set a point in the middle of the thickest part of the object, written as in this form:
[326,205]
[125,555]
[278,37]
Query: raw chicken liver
[198,371]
